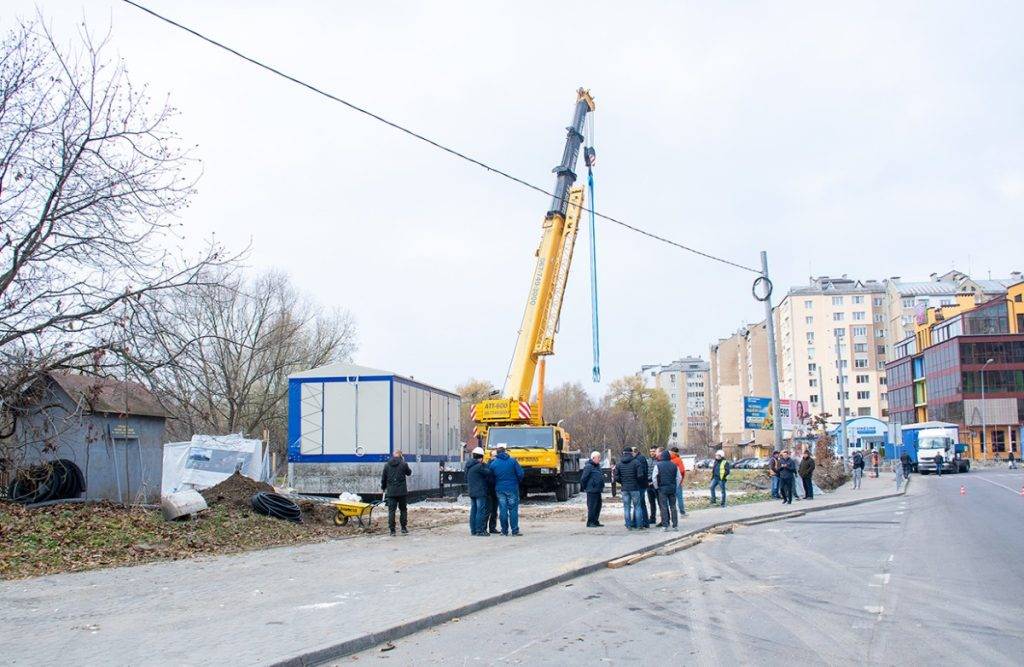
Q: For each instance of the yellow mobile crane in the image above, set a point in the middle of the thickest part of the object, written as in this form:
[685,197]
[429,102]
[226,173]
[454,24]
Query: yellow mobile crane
[542,449]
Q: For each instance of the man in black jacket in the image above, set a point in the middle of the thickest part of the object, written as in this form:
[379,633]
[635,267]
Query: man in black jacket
[939,460]
[479,480]
[908,465]
[393,484]
[592,483]
[806,471]
[652,490]
[666,478]
[644,479]
[627,474]
[787,477]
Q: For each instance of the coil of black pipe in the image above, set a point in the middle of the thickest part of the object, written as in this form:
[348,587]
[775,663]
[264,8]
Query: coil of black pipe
[276,505]
[52,480]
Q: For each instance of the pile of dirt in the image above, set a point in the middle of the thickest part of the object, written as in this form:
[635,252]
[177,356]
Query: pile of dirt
[236,490]
[317,512]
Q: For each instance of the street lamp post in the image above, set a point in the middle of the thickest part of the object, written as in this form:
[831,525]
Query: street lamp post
[983,424]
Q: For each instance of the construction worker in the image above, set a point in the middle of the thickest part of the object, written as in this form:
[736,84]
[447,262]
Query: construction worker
[393,484]
[479,480]
[720,470]
[592,483]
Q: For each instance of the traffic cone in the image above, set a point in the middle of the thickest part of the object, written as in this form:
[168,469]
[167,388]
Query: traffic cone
[963,490]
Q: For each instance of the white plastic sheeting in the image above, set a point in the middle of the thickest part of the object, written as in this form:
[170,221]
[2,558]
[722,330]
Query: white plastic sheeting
[207,460]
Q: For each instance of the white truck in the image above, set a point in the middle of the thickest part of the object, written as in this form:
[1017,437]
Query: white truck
[941,440]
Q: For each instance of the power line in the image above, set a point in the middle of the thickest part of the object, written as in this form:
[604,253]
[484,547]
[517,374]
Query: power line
[416,135]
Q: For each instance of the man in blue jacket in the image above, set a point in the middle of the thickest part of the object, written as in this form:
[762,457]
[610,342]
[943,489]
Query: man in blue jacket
[479,480]
[592,483]
[507,476]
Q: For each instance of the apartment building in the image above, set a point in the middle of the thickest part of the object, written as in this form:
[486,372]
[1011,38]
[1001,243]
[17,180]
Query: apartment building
[738,367]
[686,383]
[965,365]
[830,328]
[906,300]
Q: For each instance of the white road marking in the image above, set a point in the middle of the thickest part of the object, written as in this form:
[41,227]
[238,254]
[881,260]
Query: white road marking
[998,484]
[880,579]
[898,513]
[891,556]
[320,605]
[874,610]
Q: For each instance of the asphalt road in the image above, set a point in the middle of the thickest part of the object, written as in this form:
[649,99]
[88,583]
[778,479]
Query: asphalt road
[934,577]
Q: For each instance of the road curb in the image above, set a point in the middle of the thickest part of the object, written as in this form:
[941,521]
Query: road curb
[350,646]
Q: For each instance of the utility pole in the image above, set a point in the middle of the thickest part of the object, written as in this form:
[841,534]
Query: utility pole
[842,399]
[984,426]
[773,361]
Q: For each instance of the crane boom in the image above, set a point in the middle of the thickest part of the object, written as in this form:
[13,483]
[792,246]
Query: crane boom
[554,258]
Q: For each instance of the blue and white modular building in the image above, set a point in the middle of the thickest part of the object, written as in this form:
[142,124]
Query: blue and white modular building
[345,422]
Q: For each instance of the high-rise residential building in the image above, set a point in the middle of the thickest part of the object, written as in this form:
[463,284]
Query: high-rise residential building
[738,367]
[907,299]
[832,328]
[685,381]
[964,365]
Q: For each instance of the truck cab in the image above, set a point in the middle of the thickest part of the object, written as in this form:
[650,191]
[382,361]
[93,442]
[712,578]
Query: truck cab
[543,452]
[929,444]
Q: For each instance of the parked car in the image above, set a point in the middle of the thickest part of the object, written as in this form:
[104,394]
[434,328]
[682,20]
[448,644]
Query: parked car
[744,464]
[760,464]
[703,463]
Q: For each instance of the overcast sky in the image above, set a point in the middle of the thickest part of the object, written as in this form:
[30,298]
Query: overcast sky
[872,139]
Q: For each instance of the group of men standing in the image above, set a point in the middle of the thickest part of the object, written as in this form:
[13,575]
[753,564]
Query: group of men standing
[784,471]
[655,480]
[494,493]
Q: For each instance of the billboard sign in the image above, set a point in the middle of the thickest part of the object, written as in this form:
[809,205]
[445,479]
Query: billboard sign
[757,413]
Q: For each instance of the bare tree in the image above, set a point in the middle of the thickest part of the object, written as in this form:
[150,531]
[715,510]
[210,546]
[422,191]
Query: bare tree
[90,173]
[218,356]
[472,392]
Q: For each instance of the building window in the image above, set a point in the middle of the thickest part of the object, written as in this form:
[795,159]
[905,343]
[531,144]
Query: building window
[812,367]
[884,396]
[863,395]
[842,363]
[881,380]
[860,331]
[860,363]
[838,317]
[840,333]
[879,333]
[908,303]
[809,320]
[879,349]
[813,382]
[863,379]
[858,299]
[810,336]
[814,398]
[673,378]
[837,301]
[877,301]
[859,315]
[810,353]
[863,412]
[879,318]
[860,347]
[845,395]
[808,303]
[885,412]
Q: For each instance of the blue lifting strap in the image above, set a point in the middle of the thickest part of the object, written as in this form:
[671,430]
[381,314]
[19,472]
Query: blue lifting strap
[593,278]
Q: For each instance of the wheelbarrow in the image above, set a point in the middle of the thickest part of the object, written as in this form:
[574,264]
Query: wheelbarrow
[346,509]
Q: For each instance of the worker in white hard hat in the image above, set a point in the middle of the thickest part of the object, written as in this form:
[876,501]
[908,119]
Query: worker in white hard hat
[479,479]
[720,470]
[592,483]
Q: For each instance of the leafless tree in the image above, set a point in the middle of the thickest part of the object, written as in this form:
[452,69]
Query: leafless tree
[218,356]
[91,172]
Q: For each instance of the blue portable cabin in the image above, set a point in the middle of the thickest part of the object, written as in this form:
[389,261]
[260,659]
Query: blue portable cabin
[345,422]
[861,434]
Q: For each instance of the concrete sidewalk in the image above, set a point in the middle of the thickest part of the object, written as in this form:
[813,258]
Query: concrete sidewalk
[309,603]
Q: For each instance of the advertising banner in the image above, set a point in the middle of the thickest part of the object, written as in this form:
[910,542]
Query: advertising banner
[757,413]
